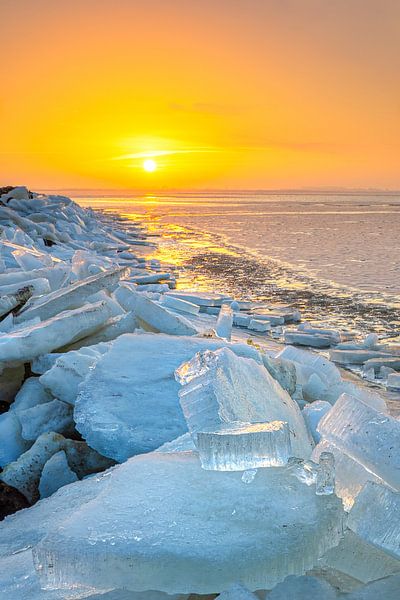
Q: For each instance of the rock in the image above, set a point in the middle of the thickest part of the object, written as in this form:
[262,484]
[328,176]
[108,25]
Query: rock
[11,500]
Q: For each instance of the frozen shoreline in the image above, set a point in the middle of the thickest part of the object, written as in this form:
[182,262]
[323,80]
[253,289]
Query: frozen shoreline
[91,333]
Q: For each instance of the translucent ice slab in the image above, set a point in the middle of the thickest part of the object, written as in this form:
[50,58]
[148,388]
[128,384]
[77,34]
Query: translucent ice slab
[366,435]
[70,297]
[375,517]
[27,343]
[165,523]
[358,559]
[245,446]
[220,388]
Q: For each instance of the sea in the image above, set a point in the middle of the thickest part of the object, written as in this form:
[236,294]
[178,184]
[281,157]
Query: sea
[334,256]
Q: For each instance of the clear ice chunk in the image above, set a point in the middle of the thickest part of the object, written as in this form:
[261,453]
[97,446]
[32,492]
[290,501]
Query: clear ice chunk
[375,517]
[223,327]
[234,390]
[366,435]
[165,523]
[358,559]
[247,446]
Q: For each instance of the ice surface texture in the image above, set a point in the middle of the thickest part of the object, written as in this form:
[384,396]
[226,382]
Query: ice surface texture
[129,403]
[165,523]
[222,388]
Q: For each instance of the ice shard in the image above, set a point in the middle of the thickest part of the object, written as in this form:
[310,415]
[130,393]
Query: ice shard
[220,388]
[365,435]
[246,446]
[28,343]
[375,517]
[70,297]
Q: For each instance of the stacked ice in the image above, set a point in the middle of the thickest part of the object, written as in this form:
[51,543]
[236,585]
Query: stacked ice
[238,414]
[219,482]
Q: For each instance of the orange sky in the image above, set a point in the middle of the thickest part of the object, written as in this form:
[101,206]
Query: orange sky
[228,93]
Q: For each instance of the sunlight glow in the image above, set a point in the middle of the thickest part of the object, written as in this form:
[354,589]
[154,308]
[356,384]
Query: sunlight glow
[149,165]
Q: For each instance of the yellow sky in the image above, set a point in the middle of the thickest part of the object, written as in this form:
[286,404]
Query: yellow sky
[222,93]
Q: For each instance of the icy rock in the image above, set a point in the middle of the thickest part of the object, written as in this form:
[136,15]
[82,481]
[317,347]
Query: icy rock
[68,372]
[69,326]
[56,473]
[393,382]
[375,517]
[12,444]
[215,530]
[302,338]
[52,416]
[221,388]
[129,403]
[302,588]
[237,592]
[71,297]
[246,446]
[223,327]
[359,559]
[24,474]
[366,436]
[154,317]
[180,305]
[283,371]
[31,394]
[312,414]
[259,326]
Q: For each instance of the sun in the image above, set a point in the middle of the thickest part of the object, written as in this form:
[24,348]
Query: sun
[149,165]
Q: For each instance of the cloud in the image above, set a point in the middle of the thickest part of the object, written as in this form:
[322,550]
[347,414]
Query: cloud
[155,153]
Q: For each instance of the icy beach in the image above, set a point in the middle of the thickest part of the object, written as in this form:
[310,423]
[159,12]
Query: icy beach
[161,440]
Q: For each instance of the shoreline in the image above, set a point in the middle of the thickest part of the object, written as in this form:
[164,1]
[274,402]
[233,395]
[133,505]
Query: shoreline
[101,352]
